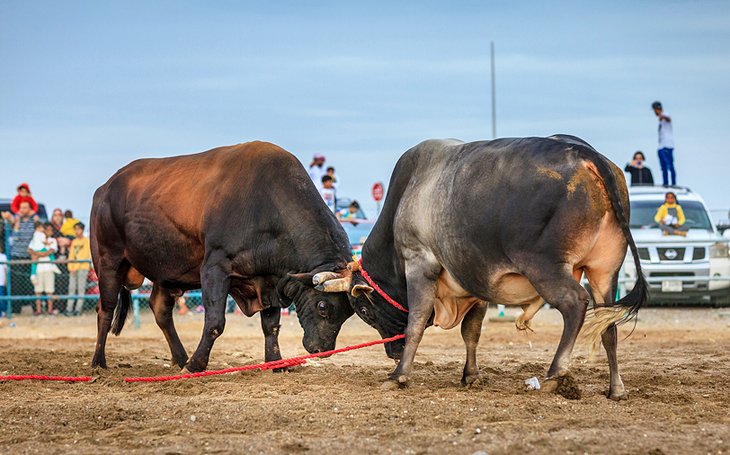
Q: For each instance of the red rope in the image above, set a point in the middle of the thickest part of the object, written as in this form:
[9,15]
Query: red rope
[292,361]
[46,378]
[375,286]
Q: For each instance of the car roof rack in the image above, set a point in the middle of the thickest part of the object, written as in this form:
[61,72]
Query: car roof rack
[658,189]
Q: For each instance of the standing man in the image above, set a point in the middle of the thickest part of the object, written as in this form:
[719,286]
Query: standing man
[23,228]
[666,144]
[317,170]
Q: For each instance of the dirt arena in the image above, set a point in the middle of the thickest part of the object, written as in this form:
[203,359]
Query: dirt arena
[676,367]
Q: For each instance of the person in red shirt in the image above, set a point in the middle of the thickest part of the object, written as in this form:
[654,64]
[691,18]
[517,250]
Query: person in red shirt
[24,196]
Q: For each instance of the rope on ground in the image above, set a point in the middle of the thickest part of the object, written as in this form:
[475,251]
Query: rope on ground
[283,363]
[292,361]
[39,377]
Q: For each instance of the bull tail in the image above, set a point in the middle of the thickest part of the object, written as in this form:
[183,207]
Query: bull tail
[624,310]
[121,310]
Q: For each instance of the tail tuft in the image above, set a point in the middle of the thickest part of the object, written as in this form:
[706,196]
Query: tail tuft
[604,316]
[121,311]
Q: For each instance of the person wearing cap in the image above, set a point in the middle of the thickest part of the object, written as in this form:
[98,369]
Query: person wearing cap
[666,144]
[23,196]
[317,170]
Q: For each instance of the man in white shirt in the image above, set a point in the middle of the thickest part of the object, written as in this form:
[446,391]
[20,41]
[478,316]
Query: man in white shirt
[41,251]
[666,144]
[317,170]
[3,279]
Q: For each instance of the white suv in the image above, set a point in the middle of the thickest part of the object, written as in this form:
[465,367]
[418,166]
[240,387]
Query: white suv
[678,269]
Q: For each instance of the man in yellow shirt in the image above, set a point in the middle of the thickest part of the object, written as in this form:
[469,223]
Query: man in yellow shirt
[670,216]
[80,250]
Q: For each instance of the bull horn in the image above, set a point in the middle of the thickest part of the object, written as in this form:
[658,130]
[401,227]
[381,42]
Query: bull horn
[335,285]
[353,266]
[321,277]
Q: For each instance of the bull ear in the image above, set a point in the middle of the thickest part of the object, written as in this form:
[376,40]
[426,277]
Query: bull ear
[359,289]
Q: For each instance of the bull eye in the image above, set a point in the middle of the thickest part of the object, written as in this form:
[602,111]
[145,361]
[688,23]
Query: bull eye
[364,312]
[322,308]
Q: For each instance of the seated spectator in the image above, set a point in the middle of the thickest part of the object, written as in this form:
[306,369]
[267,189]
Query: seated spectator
[328,192]
[23,196]
[350,213]
[640,174]
[69,226]
[670,216]
[78,271]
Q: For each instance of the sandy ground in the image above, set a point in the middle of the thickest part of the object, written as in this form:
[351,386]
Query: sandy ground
[676,367]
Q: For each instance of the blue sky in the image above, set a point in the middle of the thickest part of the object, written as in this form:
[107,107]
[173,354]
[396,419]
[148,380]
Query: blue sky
[86,87]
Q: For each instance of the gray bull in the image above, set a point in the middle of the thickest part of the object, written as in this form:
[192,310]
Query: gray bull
[513,221]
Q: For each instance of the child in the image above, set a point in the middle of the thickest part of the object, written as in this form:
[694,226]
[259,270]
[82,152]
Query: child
[24,196]
[670,216]
[78,271]
[350,212]
[38,244]
[69,226]
[328,192]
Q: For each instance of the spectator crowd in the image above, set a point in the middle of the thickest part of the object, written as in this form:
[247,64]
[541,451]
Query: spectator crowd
[49,257]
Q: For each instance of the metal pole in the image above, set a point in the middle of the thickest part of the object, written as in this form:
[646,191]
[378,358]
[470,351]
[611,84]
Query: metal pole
[494,97]
[8,288]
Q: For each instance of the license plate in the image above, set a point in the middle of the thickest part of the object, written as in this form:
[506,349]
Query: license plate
[672,286]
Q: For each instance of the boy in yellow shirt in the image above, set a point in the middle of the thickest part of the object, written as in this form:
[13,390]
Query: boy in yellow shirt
[670,216]
[69,225]
[80,250]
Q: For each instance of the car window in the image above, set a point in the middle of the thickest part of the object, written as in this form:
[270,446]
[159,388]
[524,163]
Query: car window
[643,212]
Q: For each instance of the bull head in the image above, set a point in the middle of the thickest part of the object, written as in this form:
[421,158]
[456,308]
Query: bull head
[320,308]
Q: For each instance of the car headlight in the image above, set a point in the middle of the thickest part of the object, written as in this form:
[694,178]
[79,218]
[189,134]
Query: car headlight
[719,250]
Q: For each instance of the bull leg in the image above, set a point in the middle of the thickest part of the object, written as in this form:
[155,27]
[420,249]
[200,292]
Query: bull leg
[570,298]
[109,287]
[162,303]
[215,284]
[421,279]
[270,318]
[604,287]
[471,329]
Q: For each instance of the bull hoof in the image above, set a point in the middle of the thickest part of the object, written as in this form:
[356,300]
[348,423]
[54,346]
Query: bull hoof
[618,395]
[564,386]
[549,386]
[470,380]
[185,371]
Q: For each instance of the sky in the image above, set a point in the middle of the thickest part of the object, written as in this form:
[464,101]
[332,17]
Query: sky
[86,87]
